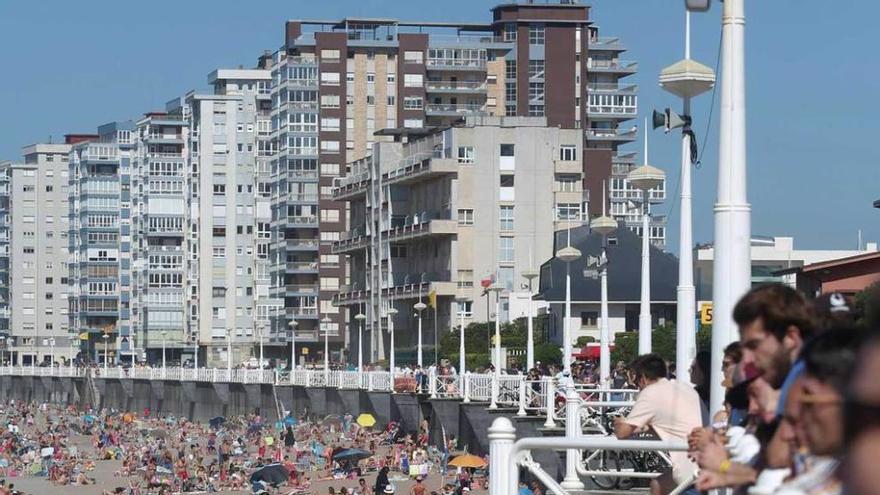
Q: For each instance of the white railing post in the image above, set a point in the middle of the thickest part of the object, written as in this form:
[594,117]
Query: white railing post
[213,375]
[572,430]
[501,437]
[370,376]
[551,403]
[522,398]
[432,382]
[308,378]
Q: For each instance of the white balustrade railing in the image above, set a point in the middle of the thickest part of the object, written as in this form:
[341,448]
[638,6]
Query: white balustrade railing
[541,397]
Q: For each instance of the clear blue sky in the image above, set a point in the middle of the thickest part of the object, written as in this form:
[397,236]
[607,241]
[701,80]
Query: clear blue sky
[812,69]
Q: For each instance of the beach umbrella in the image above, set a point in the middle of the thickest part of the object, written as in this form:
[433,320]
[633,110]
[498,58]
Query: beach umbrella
[216,422]
[88,418]
[351,455]
[289,420]
[366,420]
[468,461]
[271,474]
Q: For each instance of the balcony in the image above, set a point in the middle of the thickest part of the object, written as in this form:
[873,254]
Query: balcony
[155,138]
[99,153]
[454,109]
[456,64]
[456,87]
[301,267]
[567,167]
[612,88]
[613,66]
[411,229]
[623,112]
[300,244]
[606,44]
[571,197]
[311,221]
[414,168]
[301,289]
[406,290]
[617,135]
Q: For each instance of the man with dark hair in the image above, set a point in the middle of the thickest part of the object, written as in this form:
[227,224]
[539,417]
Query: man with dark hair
[668,408]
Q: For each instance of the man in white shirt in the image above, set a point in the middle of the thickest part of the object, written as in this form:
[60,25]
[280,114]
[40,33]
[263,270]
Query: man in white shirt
[668,408]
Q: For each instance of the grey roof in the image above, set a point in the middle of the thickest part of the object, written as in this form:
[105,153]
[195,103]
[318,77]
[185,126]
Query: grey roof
[624,269]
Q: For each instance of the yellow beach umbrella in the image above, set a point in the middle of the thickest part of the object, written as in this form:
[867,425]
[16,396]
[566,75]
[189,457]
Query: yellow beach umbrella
[468,461]
[366,420]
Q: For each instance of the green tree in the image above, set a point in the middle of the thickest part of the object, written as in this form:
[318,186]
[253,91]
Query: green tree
[584,340]
[626,345]
[477,339]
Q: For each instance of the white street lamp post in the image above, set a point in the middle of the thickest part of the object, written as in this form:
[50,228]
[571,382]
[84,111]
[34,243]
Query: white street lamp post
[293,324]
[360,317]
[52,352]
[391,312]
[496,377]
[229,352]
[461,357]
[164,333]
[106,351]
[686,79]
[732,209]
[571,481]
[261,329]
[603,226]
[530,275]
[326,321]
[645,178]
[419,307]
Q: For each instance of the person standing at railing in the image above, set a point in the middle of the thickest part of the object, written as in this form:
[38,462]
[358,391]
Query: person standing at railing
[666,408]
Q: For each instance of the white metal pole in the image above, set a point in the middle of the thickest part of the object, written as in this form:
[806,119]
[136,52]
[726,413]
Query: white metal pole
[461,358]
[686,305]
[604,331]
[229,352]
[261,347]
[107,352]
[360,348]
[391,312]
[327,354]
[163,355]
[496,376]
[566,324]
[645,303]
[293,345]
[419,349]
[571,481]
[732,210]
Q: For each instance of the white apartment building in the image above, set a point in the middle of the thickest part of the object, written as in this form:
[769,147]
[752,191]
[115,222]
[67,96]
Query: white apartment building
[36,214]
[439,210]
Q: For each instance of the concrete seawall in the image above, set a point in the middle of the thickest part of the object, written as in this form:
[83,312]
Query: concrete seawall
[201,401]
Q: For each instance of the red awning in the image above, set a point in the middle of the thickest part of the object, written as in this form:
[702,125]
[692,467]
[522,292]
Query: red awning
[589,351]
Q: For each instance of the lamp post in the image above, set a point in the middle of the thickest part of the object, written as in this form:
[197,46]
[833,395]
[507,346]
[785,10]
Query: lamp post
[52,352]
[391,312]
[461,356]
[229,351]
[106,338]
[260,330]
[496,377]
[326,321]
[164,334]
[419,307]
[360,317]
[293,324]
[530,275]
[2,348]
[603,226]
[686,79]
[571,481]
[73,340]
[645,178]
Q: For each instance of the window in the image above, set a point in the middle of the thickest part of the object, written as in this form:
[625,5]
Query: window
[589,319]
[568,183]
[330,78]
[536,34]
[505,216]
[412,80]
[509,32]
[329,283]
[371,77]
[568,153]
[329,123]
[330,101]
[398,251]
[413,57]
[371,100]
[568,211]
[536,69]
[329,146]
[391,77]
[391,100]
[465,309]
[330,54]
[412,103]
[465,216]
[505,277]
[412,123]
[505,250]
[507,150]
[506,181]
[465,154]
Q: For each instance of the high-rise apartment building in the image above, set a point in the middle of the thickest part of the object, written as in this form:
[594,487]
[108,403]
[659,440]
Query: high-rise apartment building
[100,242]
[336,83]
[440,210]
[34,219]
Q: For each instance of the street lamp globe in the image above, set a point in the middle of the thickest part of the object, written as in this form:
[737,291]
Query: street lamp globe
[646,177]
[391,311]
[420,306]
[359,317]
[568,254]
[603,225]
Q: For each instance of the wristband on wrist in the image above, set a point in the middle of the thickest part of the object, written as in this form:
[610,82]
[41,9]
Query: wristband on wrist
[724,467]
